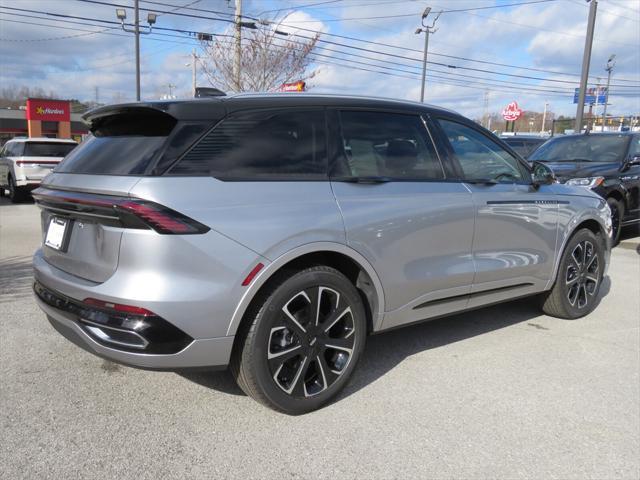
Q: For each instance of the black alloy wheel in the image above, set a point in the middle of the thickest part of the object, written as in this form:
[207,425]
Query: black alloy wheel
[582,275]
[311,342]
[300,343]
[579,279]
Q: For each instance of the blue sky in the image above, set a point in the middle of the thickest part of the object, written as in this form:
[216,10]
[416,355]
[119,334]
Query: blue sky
[72,59]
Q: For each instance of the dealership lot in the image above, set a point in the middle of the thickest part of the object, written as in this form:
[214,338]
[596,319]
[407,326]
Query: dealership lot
[500,392]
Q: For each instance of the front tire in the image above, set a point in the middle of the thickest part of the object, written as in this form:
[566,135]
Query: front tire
[16,194]
[301,341]
[617,212]
[575,292]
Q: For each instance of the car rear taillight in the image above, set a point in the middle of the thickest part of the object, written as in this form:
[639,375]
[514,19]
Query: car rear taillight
[128,212]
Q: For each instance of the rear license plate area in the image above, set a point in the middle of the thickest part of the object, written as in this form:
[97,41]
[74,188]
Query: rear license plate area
[58,233]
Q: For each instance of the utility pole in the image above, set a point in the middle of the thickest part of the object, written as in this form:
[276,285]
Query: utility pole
[238,25]
[544,116]
[171,87]
[485,119]
[609,68]
[427,29]
[586,60]
[121,14]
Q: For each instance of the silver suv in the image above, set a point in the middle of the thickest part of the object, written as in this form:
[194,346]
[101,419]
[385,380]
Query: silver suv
[273,233]
[24,162]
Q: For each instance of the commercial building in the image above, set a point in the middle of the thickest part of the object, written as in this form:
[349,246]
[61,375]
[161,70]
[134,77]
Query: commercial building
[42,118]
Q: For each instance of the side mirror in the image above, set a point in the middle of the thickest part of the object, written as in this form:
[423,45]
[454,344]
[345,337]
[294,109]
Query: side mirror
[635,160]
[630,162]
[542,175]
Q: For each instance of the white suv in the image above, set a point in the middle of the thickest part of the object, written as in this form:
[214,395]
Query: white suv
[24,162]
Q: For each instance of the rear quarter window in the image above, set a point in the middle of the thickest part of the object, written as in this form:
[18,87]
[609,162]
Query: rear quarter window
[282,144]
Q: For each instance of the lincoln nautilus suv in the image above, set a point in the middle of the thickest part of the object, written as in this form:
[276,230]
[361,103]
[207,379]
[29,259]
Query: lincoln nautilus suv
[272,234]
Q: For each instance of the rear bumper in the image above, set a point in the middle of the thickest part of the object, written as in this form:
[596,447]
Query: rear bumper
[211,353]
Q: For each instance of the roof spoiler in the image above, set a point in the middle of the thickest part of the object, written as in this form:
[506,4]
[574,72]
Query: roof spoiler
[95,116]
[131,118]
[204,92]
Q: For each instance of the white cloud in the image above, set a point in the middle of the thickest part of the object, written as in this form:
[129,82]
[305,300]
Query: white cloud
[73,67]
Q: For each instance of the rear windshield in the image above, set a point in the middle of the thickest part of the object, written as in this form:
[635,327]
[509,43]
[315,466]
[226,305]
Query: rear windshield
[124,144]
[583,148]
[49,149]
[112,155]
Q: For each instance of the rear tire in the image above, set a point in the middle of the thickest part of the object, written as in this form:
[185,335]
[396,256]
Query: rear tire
[617,213]
[301,341]
[16,194]
[575,292]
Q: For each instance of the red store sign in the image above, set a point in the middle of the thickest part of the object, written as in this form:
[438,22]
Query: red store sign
[48,110]
[512,112]
[293,87]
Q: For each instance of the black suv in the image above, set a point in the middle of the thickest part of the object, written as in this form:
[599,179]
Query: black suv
[525,145]
[607,163]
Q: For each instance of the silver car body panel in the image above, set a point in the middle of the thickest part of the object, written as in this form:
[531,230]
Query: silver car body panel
[402,229]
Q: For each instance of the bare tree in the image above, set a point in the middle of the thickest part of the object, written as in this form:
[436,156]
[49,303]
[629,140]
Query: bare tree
[14,96]
[268,60]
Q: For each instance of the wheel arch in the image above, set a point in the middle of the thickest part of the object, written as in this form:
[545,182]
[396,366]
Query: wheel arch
[341,257]
[619,195]
[591,222]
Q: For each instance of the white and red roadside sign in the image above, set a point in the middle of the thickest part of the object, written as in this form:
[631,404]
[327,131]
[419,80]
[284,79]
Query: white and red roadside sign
[511,112]
[48,110]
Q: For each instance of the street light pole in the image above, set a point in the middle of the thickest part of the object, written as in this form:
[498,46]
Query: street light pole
[544,116]
[121,14]
[136,7]
[609,68]
[427,29]
[586,60]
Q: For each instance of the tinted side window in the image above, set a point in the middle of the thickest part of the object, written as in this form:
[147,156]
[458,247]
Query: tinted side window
[380,144]
[519,146]
[480,157]
[16,149]
[634,149]
[266,144]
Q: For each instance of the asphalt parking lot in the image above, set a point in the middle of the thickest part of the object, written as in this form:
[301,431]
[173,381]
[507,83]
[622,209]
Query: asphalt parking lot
[503,392]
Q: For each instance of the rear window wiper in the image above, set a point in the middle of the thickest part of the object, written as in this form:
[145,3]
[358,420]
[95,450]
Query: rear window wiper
[363,179]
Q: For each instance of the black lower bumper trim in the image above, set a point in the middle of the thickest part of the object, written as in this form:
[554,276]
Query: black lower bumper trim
[117,330]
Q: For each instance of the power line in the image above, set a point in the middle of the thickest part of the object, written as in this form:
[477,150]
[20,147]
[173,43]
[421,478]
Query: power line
[504,5]
[403,48]
[348,46]
[506,84]
[607,12]
[494,83]
[529,86]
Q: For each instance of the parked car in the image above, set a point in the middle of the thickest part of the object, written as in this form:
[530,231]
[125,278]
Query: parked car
[24,162]
[524,145]
[273,233]
[607,163]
